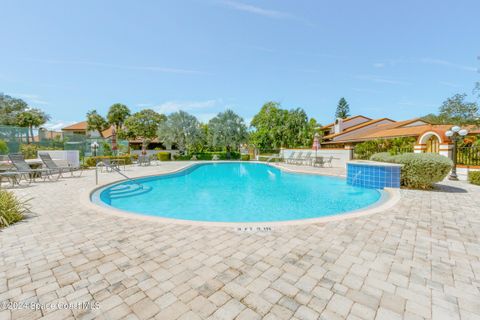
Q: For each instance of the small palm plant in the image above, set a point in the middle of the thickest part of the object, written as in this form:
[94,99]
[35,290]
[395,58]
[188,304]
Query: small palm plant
[12,209]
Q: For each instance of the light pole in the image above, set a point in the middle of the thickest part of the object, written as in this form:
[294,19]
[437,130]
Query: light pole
[455,134]
[94,147]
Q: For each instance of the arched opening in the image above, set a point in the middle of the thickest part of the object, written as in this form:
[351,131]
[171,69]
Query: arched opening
[432,144]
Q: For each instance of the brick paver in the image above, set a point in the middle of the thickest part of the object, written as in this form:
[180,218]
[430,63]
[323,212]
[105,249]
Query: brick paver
[419,260]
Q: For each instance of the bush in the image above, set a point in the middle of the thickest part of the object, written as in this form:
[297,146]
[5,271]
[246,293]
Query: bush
[11,208]
[163,156]
[382,157]
[208,156]
[474,177]
[92,161]
[3,147]
[420,170]
[29,151]
[245,157]
[393,146]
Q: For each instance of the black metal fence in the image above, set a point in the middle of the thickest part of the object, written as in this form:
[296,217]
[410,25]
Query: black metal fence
[468,156]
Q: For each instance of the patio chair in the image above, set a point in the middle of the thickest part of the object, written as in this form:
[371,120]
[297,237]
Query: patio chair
[274,158]
[50,164]
[289,158]
[306,159]
[298,159]
[328,162]
[143,160]
[109,164]
[318,161]
[14,177]
[23,167]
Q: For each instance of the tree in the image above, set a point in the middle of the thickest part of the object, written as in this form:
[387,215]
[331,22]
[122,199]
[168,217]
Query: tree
[343,109]
[297,130]
[143,125]
[275,127]
[96,122]
[10,108]
[181,129]
[456,110]
[117,114]
[268,125]
[227,131]
[31,118]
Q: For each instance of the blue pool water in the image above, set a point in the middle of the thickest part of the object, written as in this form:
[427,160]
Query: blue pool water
[237,192]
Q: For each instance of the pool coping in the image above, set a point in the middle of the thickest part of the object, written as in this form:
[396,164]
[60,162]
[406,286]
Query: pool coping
[389,197]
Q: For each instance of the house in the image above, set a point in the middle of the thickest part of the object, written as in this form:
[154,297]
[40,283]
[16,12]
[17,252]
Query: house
[345,133]
[81,128]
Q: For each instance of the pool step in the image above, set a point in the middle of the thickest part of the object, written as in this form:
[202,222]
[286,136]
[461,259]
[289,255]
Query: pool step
[128,190]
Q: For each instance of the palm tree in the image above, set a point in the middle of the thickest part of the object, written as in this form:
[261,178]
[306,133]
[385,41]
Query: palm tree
[32,118]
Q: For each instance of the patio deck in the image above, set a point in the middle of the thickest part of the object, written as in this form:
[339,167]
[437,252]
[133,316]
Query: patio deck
[418,260]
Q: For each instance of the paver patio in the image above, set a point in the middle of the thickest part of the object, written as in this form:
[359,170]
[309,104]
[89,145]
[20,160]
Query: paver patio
[419,260]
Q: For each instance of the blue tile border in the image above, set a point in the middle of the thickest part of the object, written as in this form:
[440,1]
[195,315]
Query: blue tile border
[375,176]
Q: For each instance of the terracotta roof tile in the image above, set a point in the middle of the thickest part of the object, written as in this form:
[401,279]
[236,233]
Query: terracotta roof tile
[77,126]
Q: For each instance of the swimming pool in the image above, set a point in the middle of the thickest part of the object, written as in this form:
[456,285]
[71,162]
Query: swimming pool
[236,192]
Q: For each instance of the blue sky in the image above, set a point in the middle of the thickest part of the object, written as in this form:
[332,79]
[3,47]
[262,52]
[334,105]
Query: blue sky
[399,59]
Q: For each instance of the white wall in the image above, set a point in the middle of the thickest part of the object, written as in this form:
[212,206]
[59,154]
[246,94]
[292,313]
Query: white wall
[340,156]
[462,173]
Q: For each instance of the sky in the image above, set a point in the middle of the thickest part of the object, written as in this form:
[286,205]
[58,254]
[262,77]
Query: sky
[397,59]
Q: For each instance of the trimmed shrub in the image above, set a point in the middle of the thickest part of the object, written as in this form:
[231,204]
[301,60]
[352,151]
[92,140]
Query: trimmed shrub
[474,177]
[29,151]
[420,170]
[181,157]
[208,156]
[3,147]
[382,157]
[163,156]
[245,157]
[92,161]
[11,208]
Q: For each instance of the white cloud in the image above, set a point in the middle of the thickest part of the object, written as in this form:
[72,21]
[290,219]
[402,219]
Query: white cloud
[117,66]
[57,125]
[29,98]
[256,10]
[379,65]
[365,90]
[449,84]
[173,106]
[374,78]
[449,64]
[205,117]
[269,13]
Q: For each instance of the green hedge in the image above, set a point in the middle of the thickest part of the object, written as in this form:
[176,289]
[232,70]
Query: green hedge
[474,177]
[382,157]
[208,156]
[3,147]
[420,170]
[92,161]
[163,156]
[245,157]
[11,208]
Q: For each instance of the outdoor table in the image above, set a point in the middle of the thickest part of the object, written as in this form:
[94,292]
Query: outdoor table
[143,160]
[318,160]
[119,162]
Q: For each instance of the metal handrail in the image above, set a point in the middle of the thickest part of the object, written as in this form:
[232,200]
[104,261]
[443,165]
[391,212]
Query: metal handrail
[117,171]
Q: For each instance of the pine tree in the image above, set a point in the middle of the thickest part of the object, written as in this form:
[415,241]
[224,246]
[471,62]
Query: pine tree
[343,109]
